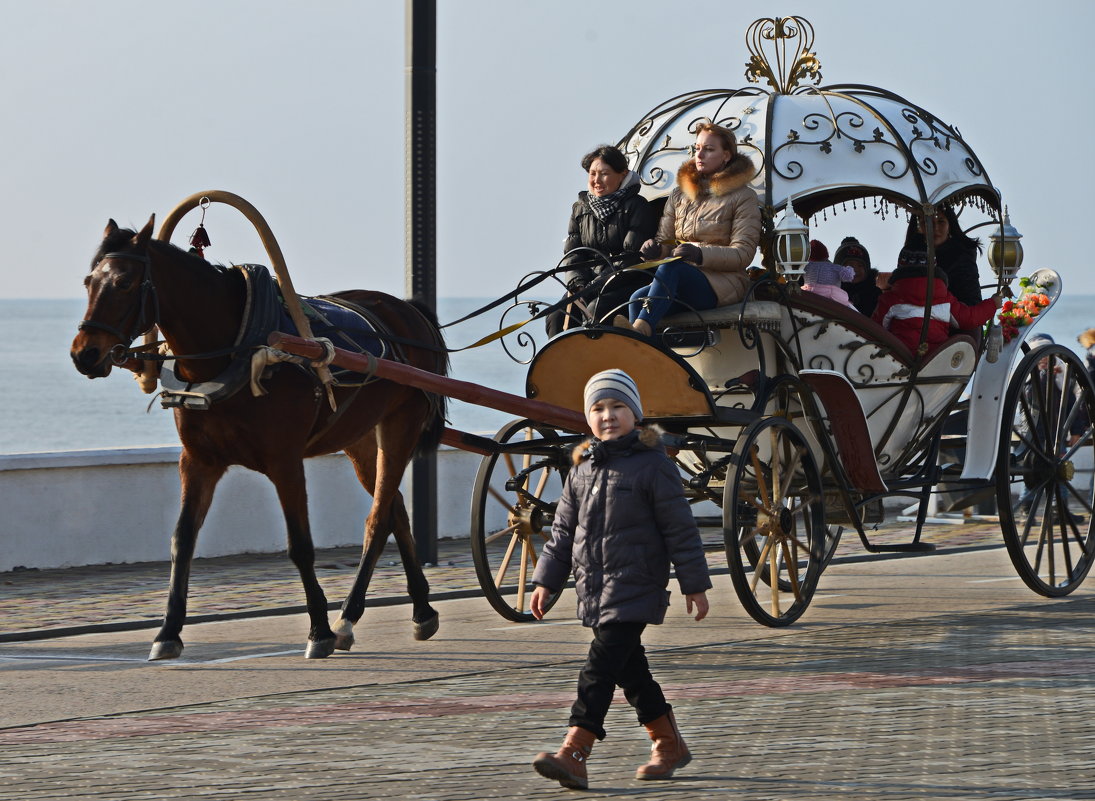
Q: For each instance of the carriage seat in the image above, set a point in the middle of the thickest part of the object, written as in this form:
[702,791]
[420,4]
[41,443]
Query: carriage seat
[768,315]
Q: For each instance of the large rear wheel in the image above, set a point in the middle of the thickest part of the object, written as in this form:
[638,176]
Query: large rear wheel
[513,507]
[774,522]
[1044,487]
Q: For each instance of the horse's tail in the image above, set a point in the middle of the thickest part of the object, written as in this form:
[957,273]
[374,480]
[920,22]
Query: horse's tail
[439,404]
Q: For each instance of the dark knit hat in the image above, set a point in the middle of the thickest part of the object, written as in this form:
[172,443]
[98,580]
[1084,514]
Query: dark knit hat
[614,384]
[818,251]
[912,259]
[851,249]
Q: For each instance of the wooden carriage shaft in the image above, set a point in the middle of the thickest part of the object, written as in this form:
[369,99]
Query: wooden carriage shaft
[541,412]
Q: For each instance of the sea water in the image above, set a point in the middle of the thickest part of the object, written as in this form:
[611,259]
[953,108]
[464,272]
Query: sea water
[45,405]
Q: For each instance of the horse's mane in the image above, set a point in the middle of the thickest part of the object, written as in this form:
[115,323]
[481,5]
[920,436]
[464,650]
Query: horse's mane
[121,238]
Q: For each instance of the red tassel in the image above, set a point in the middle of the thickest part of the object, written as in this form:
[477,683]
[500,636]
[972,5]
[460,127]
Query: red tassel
[199,240]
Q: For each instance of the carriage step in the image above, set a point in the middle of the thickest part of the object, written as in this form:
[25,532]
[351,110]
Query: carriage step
[905,547]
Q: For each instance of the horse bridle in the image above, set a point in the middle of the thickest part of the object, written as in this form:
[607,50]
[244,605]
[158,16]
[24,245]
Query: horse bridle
[148,311]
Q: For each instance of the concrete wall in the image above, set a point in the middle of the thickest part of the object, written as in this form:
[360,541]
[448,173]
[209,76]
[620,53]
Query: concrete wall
[120,505]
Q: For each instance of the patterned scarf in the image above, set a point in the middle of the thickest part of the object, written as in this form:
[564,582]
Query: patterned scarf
[605,207]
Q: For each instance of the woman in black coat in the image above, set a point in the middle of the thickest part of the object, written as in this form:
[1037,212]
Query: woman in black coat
[612,218]
[955,254]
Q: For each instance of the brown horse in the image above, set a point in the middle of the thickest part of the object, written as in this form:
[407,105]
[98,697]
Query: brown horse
[137,282]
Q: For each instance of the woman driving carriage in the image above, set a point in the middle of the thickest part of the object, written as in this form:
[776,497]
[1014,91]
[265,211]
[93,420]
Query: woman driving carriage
[711,223]
[610,217]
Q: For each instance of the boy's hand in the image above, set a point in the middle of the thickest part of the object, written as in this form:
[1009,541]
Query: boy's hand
[998,299]
[697,598]
[540,597]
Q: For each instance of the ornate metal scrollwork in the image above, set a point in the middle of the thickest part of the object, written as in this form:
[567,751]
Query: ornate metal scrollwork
[780,53]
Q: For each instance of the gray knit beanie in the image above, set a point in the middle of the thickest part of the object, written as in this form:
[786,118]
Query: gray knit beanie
[614,384]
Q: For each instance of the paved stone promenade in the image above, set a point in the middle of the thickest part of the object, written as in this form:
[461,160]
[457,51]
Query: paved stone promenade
[946,706]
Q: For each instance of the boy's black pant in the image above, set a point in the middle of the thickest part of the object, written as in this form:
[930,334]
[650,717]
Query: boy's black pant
[616,657]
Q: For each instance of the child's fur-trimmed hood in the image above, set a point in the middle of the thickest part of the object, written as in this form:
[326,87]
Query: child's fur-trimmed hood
[737,173]
[649,436]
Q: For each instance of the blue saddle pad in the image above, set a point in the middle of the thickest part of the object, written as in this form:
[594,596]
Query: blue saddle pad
[345,327]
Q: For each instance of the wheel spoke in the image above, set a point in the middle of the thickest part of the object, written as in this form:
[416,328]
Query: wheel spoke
[762,485]
[761,561]
[510,466]
[776,463]
[500,576]
[498,496]
[545,474]
[525,546]
[791,561]
[502,532]
[773,579]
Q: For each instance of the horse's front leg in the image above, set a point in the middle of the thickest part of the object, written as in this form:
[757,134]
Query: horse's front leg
[289,482]
[198,482]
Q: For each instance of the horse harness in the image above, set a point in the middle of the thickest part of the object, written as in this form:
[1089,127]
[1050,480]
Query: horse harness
[251,361]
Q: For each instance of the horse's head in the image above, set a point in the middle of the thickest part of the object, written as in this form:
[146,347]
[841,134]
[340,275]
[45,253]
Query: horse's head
[121,299]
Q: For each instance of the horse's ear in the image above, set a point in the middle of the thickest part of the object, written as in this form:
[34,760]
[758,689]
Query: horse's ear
[111,227]
[145,235]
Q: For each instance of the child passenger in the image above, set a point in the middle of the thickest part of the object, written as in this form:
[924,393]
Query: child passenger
[621,520]
[901,307]
[824,278]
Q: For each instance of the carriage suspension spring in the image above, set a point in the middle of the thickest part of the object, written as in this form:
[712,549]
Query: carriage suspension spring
[702,479]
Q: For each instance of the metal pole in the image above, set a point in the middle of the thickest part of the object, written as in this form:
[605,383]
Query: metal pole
[420,184]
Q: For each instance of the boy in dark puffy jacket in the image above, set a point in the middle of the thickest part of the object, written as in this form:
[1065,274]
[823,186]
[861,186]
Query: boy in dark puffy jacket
[901,307]
[621,521]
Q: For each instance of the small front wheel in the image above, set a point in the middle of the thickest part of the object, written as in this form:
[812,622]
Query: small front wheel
[513,507]
[774,522]
[1044,486]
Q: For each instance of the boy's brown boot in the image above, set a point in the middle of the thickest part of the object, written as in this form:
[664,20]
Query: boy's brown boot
[668,752]
[568,766]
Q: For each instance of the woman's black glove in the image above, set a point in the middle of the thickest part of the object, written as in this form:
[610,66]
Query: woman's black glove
[651,250]
[689,253]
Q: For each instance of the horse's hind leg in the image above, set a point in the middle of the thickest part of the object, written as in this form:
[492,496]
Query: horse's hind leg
[288,479]
[379,461]
[424,616]
[198,482]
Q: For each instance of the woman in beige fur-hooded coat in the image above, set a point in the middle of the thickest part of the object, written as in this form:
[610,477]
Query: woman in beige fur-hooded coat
[712,224]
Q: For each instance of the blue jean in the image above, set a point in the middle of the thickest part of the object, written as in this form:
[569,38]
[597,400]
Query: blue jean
[677,286]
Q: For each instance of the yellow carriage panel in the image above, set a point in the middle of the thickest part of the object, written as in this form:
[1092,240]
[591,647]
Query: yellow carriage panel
[668,386]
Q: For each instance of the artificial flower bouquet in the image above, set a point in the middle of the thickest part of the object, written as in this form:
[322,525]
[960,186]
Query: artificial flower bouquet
[1021,312]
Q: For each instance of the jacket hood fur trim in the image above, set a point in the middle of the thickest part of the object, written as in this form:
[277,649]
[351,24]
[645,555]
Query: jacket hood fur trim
[650,437]
[737,173]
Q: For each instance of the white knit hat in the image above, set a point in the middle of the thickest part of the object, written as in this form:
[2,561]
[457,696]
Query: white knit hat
[614,384]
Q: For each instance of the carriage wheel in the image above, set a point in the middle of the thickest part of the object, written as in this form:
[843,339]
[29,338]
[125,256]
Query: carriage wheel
[774,518]
[1044,487]
[519,486]
[786,399]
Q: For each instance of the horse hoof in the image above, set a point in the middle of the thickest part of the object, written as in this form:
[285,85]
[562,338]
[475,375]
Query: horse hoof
[344,642]
[165,649]
[320,649]
[427,628]
[344,635]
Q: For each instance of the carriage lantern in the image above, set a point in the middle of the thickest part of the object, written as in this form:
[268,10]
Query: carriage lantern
[792,240]
[1005,250]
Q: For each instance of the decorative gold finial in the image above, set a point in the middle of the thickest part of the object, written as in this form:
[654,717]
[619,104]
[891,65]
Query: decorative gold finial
[788,41]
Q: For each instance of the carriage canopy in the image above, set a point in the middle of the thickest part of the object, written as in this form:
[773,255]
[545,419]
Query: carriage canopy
[816,145]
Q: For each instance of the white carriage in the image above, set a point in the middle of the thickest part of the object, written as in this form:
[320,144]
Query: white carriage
[796,415]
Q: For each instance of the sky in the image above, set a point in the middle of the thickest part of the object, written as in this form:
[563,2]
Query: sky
[121,108]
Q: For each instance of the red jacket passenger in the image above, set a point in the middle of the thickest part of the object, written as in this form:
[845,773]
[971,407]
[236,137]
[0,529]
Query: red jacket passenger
[901,307]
